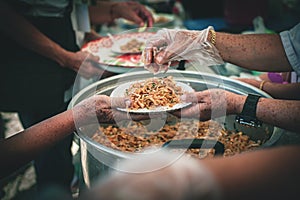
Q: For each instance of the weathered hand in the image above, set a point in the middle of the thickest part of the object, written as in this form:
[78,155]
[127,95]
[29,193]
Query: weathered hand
[211,103]
[102,109]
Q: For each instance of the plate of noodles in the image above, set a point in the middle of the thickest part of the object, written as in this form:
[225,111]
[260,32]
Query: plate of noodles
[153,95]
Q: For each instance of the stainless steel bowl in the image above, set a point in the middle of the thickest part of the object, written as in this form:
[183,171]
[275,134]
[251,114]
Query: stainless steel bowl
[96,159]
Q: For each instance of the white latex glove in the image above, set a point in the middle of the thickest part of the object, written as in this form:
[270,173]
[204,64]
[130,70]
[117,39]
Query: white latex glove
[169,45]
[162,175]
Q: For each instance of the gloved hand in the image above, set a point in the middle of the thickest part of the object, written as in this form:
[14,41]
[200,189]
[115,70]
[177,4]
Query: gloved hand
[169,45]
[159,175]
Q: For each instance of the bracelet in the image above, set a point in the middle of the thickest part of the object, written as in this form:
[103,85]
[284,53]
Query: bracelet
[213,36]
[261,85]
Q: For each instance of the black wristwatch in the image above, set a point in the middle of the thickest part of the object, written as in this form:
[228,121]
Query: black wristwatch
[248,114]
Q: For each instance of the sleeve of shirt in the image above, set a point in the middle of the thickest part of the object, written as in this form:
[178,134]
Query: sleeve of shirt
[291,43]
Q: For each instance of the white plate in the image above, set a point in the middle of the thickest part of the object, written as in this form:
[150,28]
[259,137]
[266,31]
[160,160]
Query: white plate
[121,89]
[118,43]
[115,62]
[162,20]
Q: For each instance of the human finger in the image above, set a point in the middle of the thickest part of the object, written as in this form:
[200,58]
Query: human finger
[191,97]
[153,47]
[192,111]
[152,67]
[146,15]
[138,14]
[93,68]
[164,57]
[147,56]
[121,115]
[88,70]
[92,58]
[169,53]
[119,102]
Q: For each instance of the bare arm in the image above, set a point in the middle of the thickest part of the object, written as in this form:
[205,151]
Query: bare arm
[269,174]
[283,91]
[261,52]
[280,113]
[25,145]
[27,35]
[289,91]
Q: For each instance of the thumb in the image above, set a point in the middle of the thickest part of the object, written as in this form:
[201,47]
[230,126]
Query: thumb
[120,102]
[92,58]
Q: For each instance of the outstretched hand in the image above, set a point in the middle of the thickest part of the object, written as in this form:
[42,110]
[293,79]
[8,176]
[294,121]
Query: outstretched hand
[210,103]
[103,109]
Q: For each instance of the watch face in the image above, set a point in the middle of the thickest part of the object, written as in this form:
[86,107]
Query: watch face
[262,133]
[248,121]
[255,129]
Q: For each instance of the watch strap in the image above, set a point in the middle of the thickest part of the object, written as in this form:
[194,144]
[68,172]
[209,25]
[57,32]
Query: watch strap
[249,108]
[248,115]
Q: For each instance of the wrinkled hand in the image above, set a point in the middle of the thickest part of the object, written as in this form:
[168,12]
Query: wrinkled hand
[172,177]
[169,45]
[133,11]
[85,64]
[211,103]
[102,109]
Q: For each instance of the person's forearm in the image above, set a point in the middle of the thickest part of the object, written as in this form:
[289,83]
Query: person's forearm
[289,91]
[266,174]
[262,52]
[25,145]
[280,113]
[106,10]
[24,33]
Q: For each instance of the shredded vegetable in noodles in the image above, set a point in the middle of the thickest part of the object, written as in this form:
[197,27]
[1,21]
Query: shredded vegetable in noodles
[153,93]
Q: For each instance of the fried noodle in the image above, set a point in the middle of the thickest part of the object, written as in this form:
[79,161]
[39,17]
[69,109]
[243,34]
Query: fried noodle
[153,93]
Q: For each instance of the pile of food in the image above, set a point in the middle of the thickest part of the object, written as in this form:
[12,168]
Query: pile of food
[154,92]
[161,19]
[133,46]
[135,137]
